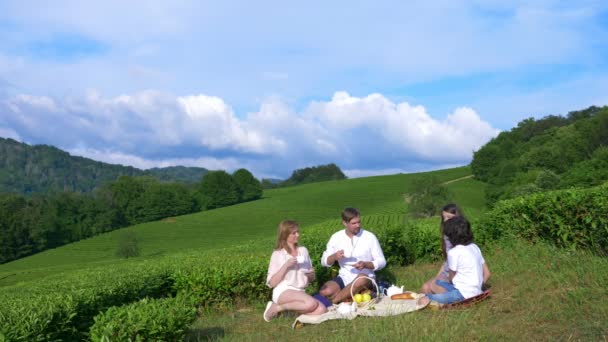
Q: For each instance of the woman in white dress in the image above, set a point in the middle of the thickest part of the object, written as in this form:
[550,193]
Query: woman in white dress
[289,273]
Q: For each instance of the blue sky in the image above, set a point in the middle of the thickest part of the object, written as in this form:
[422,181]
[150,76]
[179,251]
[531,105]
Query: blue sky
[375,87]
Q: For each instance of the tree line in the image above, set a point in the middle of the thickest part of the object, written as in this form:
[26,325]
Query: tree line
[31,224]
[554,152]
[308,175]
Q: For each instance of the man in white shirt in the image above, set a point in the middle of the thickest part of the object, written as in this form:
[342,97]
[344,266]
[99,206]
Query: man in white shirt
[359,254]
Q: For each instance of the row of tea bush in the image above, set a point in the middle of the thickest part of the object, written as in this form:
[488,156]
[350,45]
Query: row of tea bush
[156,299]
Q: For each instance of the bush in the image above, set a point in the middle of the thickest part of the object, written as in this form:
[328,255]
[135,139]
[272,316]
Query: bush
[63,306]
[428,197]
[147,320]
[128,245]
[568,218]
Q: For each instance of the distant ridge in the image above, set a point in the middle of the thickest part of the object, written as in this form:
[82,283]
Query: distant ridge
[27,170]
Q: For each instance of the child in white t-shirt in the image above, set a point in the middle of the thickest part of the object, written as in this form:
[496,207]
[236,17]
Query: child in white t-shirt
[466,266]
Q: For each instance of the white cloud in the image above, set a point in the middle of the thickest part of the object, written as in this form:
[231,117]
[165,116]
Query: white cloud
[37,102]
[407,128]
[150,128]
[9,133]
[114,157]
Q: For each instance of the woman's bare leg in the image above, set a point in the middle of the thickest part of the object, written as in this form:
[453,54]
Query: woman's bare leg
[299,301]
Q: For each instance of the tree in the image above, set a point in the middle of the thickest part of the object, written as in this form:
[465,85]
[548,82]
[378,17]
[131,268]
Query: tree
[428,197]
[249,187]
[315,174]
[128,245]
[218,189]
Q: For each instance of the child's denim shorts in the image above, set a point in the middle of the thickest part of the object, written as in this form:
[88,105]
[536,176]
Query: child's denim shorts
[452,295]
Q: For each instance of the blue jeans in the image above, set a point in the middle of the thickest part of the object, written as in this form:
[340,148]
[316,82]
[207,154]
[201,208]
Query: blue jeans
[451,295]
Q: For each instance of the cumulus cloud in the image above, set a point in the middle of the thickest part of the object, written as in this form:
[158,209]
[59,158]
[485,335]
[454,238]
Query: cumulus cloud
[409,129]
[365,135]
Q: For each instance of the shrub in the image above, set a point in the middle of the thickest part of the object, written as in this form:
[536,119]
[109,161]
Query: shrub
[147,320]
[63,306]
[568,218]
[128,245]
[427,197]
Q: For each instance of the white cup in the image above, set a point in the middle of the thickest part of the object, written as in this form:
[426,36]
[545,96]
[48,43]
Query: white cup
[300,259]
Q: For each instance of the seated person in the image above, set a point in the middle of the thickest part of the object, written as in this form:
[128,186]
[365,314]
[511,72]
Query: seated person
[466,265]
[359,254]
[288,276]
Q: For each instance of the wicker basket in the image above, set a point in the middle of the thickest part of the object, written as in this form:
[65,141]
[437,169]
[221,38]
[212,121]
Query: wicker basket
[371,301]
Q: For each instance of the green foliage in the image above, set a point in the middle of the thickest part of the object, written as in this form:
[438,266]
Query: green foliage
[218,189]
[249,188]
[314,174]
[225,279]
[539,293]
[268,183]
[562,149]
[163,319]
[428,197]
[128,245]
[308,204]
[569,218]
[188,175]
[589,172]
[63,307]
[38,223]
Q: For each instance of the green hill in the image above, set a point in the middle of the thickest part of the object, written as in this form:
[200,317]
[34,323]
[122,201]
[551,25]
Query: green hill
[26,169]
[309,204]
[554,152]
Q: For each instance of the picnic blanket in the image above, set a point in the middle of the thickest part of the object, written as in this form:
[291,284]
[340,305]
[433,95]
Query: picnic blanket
[382,306]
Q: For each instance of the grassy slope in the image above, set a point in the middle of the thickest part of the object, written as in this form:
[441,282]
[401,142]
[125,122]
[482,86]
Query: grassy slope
[309,204]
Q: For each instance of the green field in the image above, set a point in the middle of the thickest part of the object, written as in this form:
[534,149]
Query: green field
[309,204]
[539,292]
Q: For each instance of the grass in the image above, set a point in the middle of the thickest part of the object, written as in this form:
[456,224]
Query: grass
[538,293]
[309,204]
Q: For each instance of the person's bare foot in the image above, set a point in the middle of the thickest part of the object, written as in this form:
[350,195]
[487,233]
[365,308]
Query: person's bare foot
[423,301]
[270,312]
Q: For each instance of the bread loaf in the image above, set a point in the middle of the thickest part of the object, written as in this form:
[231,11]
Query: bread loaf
[404,295]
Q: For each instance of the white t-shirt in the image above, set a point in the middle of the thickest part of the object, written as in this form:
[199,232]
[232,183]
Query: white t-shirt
[467,262]
[362,247]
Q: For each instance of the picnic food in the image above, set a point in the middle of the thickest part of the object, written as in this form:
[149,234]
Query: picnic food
[404,295]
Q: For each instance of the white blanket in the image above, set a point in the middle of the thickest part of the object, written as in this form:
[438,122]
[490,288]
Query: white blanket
[384,306]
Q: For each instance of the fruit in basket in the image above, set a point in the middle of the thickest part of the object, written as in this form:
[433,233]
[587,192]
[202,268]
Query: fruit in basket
[367,297]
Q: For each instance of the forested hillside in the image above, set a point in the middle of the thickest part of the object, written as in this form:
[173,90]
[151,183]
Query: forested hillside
[555,152]
[314,174]
[27,170]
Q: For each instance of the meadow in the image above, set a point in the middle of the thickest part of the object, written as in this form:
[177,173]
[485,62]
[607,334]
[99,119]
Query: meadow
[218,259]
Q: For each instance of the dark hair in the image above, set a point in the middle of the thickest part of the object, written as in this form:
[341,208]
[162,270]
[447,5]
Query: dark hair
[458,230]
[454,210]
[349,214]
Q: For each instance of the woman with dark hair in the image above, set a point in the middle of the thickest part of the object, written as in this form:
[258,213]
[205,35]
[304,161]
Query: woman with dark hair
[447,212]
[466,266]
[289,273]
